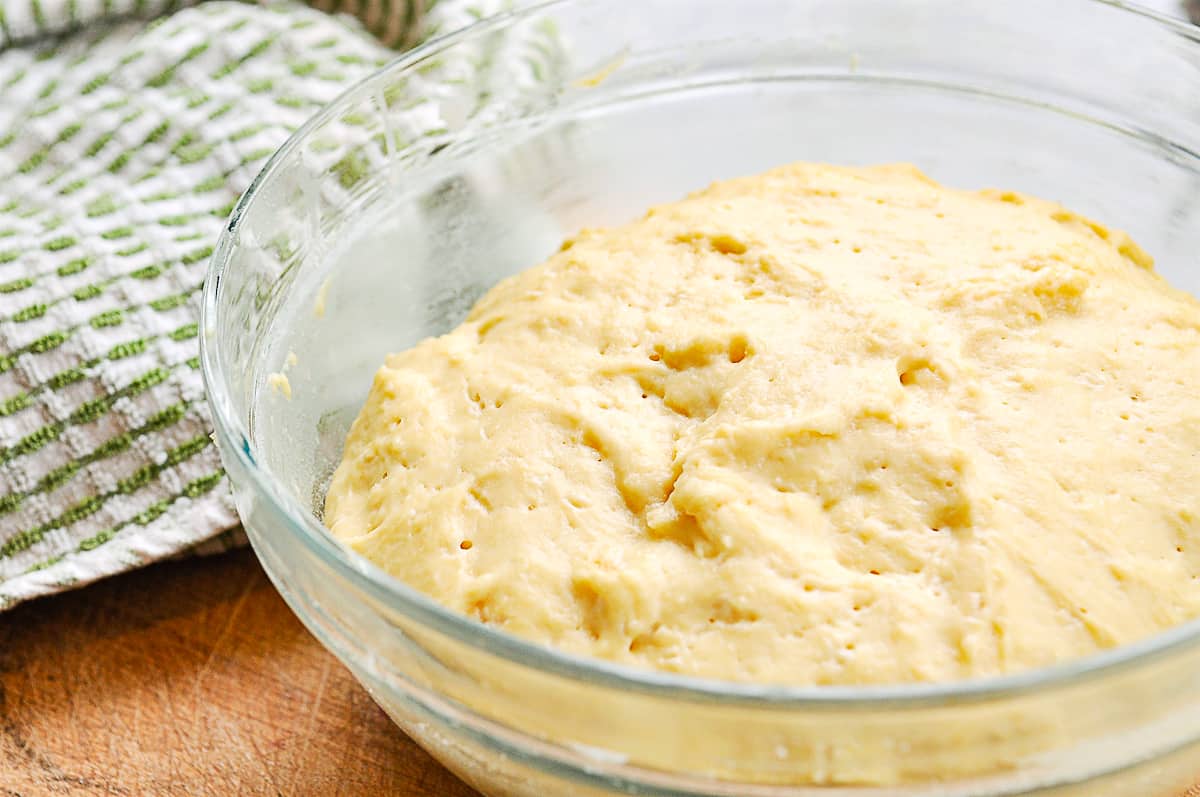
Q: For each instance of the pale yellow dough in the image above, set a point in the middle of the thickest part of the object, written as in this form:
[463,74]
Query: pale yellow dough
[818,426]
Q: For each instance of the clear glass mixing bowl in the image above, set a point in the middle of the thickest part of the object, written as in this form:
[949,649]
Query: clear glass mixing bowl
[392,211]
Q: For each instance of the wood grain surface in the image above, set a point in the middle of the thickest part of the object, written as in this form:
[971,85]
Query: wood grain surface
[190,678]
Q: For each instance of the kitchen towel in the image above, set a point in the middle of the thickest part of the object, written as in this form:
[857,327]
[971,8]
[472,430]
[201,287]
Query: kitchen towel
[128,129]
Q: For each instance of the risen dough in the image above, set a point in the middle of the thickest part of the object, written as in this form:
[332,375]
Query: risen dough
[818,426]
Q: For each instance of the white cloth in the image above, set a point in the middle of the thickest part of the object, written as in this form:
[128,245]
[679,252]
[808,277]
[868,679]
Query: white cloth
[123,147]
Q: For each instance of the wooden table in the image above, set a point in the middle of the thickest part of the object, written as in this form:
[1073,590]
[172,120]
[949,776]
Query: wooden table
[190,678]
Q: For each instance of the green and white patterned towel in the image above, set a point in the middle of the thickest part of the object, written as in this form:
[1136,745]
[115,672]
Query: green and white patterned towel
[123,147]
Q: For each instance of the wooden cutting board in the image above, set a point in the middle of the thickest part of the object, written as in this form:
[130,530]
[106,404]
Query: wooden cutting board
[190,678]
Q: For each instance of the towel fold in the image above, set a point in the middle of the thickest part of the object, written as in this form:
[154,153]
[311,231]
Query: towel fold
[128,129]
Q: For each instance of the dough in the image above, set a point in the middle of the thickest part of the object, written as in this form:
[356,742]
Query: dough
[818,426]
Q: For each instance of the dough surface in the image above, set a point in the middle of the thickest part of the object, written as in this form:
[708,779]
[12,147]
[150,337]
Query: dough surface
[817,426]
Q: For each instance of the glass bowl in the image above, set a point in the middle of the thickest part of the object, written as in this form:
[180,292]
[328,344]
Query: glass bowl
[472,157]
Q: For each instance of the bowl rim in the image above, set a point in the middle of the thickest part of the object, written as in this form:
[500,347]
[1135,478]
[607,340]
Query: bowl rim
[234,439]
